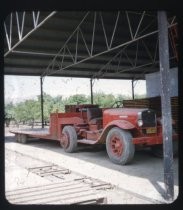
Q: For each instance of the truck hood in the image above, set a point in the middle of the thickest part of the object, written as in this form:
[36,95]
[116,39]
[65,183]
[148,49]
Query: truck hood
[124,111]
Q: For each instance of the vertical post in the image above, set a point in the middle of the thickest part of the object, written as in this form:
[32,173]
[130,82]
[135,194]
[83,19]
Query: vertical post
[133,96]
[42,110]
[91,89]
[166,104]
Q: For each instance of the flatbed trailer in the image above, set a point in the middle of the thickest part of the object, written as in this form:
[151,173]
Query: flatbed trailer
[42,133]
[121,129]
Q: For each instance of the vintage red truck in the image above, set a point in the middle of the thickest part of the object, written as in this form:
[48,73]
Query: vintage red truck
[120,129]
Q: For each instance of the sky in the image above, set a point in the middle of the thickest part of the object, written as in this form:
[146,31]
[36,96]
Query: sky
[19,88]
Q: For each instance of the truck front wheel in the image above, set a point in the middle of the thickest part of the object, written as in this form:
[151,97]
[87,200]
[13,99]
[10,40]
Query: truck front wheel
[69,139]
[120,148]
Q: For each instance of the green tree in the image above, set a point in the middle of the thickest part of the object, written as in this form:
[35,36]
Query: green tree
[20,112]
[27,111]
[51,104]
[9,108]
[9,111]
[77,99]
[104,100]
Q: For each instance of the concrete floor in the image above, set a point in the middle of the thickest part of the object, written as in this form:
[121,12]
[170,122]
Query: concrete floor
[141,182]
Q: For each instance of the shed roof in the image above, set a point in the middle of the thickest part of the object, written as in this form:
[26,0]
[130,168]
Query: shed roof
[117,45]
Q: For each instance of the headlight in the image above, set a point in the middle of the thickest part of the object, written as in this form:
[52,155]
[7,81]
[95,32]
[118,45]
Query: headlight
[140,123]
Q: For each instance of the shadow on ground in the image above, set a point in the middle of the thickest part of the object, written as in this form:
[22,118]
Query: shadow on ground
[144,164]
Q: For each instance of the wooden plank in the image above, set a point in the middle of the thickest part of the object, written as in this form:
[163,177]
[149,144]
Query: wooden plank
[83,190]
[51,195]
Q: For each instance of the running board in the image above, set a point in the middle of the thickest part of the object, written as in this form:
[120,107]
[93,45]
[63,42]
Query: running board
[87,141]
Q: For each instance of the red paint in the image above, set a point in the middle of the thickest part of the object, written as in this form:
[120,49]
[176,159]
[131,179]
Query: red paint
[116,145]
[124,124]
[124,118]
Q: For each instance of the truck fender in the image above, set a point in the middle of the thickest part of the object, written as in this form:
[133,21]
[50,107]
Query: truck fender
[123,124]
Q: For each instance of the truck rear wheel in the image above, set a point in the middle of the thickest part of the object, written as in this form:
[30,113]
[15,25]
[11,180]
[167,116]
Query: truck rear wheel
[69,139]
[120,148]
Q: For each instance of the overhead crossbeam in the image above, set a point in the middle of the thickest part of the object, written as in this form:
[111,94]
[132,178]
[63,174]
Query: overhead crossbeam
[20,25]
[151,60]
[137,33]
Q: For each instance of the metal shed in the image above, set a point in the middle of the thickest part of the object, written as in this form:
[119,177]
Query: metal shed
[96,44]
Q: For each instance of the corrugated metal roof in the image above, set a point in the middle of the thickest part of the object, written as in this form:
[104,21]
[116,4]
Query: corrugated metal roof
[133,48]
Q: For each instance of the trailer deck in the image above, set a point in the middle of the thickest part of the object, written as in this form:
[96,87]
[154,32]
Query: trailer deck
[42,133]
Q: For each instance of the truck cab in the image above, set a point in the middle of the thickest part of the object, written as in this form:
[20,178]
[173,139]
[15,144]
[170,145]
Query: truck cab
[120,129]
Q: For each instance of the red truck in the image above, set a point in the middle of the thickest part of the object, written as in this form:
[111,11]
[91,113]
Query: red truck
[120,129]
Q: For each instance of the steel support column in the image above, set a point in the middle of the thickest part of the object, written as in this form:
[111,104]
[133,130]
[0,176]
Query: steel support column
[133,96]
[91,89]
[42,107]
[166,104]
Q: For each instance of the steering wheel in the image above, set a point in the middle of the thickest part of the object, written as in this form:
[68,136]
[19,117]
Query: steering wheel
[117,104]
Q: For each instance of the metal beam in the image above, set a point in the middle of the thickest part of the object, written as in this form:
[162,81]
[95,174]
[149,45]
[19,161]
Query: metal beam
[166,104]
[50,69]
[91,89]
[21,39]
[27,71]
[133,96]
[42,101]
[47,72]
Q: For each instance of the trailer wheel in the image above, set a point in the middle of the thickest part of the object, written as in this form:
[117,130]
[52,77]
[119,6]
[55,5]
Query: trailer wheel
[23,138]
[17,137]
[69,139]
[120,148]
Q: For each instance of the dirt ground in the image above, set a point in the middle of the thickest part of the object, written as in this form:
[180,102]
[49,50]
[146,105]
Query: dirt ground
[141,182]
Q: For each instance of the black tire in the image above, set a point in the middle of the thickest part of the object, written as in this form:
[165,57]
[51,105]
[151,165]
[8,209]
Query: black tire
[17,137]
[23,138]
[70,132]
[124,138]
